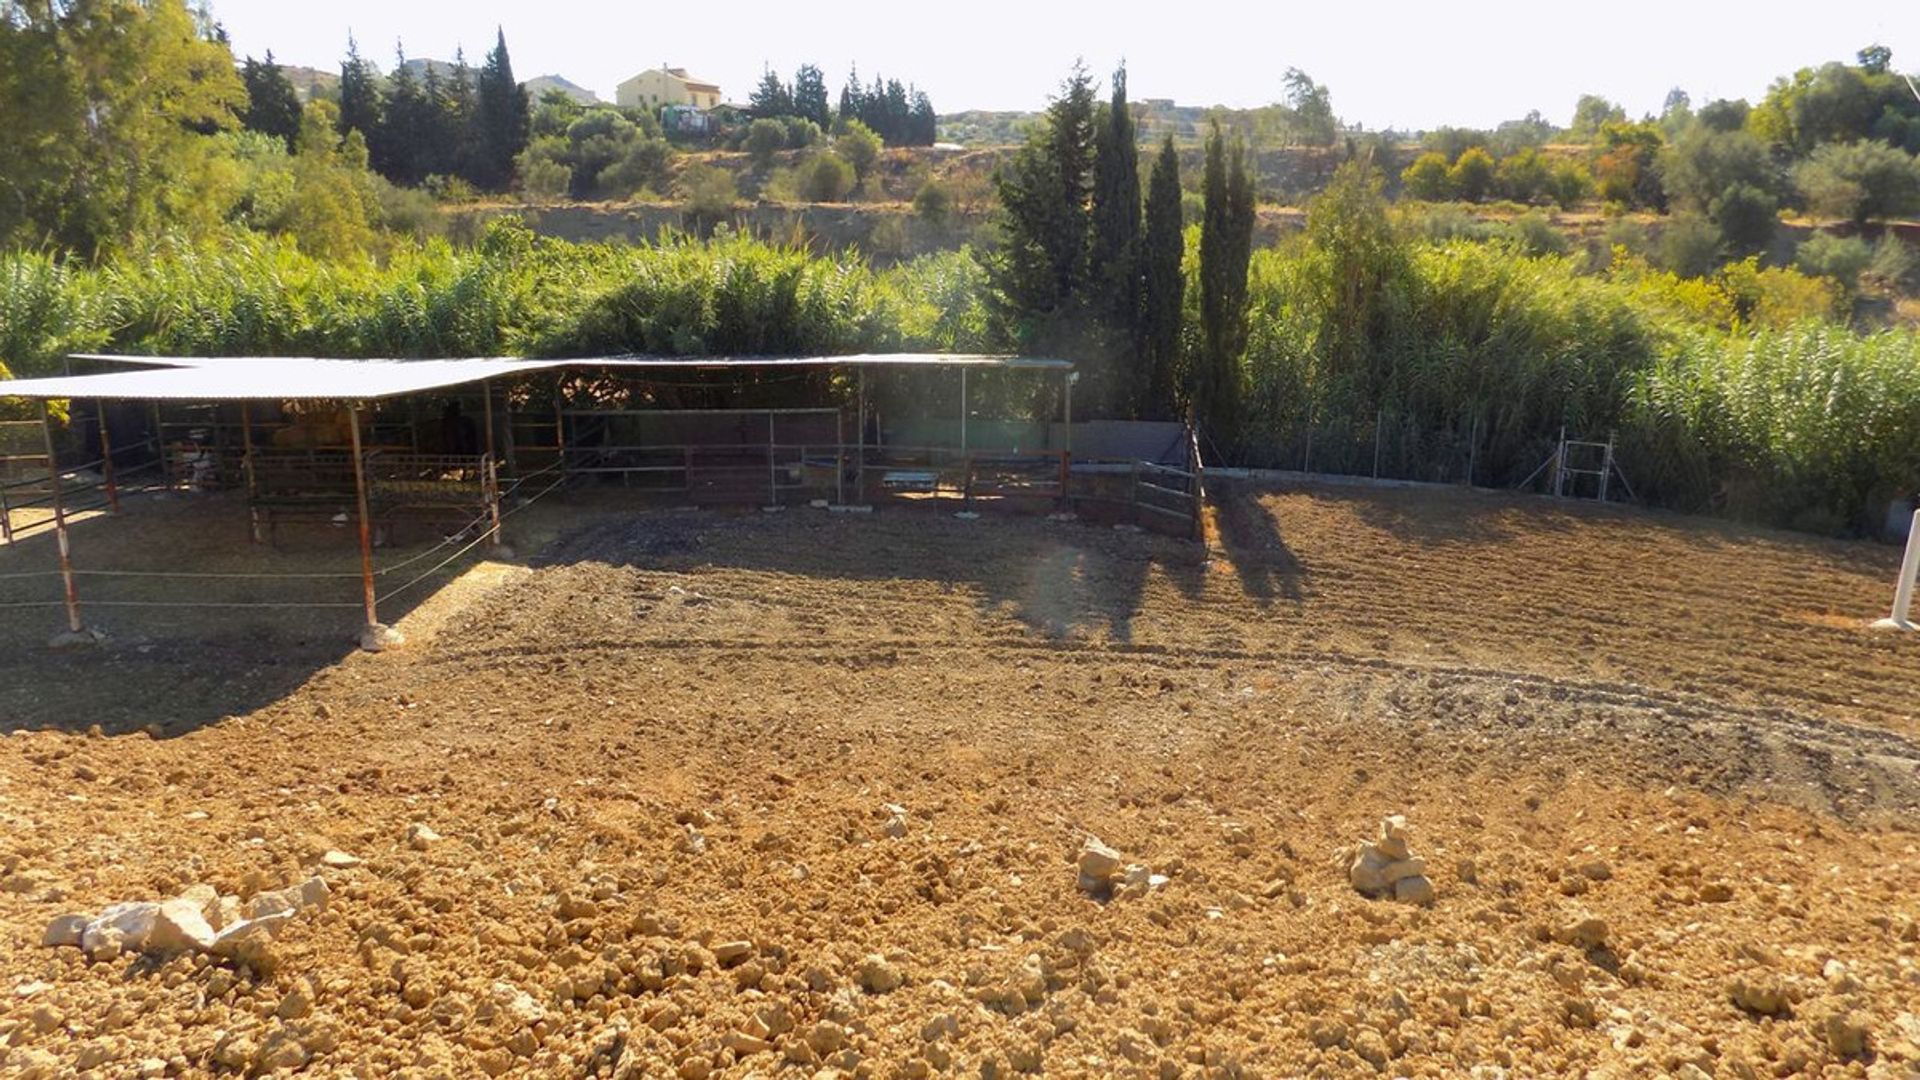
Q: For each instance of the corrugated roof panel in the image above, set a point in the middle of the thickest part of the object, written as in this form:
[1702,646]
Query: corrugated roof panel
[269,378]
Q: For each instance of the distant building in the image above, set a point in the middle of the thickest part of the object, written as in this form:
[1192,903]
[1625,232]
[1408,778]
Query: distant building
[538,86]
[666,86]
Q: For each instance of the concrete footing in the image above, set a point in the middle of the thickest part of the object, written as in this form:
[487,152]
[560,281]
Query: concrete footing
[84,638]
[1895,624]
[377,637]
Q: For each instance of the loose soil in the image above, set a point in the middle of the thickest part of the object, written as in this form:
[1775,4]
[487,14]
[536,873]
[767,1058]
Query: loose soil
[871,748]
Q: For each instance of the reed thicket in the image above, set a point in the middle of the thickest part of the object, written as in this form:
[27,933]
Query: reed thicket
[1456,350]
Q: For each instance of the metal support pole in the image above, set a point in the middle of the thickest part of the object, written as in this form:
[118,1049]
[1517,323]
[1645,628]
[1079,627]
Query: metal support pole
[1066,439]
[1901,619]
[75,628]
[246,468]
[1560,465]
[1378,415]
[491,480]
[860,424]
[773,475]
[1606,469]
[6,520]
[559,426]
[1473,447]
[373,636]
[486,412]
[106,457]
[160,441]
[839,457]
[963,411]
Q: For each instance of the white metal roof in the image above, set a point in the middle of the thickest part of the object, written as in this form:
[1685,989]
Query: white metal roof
[239,378]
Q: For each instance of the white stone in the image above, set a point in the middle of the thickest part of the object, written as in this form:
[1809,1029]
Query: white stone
[229,941]
[309,894]
[1368,871]
[180,927]
[132,922]
[420,836]
[1404,868]
[1413,890]
[339,860]
[1394,839]
[1098,861]
[64,930]
[878,975]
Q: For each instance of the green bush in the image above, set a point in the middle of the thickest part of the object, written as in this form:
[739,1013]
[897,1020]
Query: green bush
[765,138]
[1426,178]
[825,178]
[708,191]
[1840,258]
[934,201]
[1471,177]
[1690,246]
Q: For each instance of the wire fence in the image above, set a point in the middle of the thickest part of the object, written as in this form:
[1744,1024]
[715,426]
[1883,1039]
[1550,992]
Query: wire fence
[453,547]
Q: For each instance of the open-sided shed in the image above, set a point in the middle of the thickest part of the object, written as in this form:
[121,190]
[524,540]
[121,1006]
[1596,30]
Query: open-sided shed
[328,468]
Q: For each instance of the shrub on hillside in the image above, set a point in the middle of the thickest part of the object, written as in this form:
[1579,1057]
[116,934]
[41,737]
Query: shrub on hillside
[1471,177]
[1426,178]
[1841,259]
[826,178]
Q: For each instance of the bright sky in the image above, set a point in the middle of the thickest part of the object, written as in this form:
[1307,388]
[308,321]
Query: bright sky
[1399,64]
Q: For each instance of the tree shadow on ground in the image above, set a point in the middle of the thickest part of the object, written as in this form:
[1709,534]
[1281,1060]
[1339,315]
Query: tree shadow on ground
[1061,580]
[1251,535]
[170,669]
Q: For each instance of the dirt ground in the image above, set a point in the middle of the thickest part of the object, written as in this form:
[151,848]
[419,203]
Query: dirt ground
[803,795]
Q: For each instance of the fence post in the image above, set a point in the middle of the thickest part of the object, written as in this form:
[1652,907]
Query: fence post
[373,636]
[76,633]
[160,441]
[246,470]
[773,474]
[1473,447]
[6,519]
[491,478]
[1378,416]
[106,457]
[1901,618]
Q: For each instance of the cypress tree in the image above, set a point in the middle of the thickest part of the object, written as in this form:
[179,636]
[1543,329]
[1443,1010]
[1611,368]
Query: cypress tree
[1226,247]
[810,96]
[771,98]
[852,98]
[360,105]
[1041,265]
[1164,286]
[273,108]
[406,127]
[925,128]
[503,120]
[1116,239]
[456,116]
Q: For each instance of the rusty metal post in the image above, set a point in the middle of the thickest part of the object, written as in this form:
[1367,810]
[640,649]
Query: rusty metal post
[860,425]
[6,519]
[559,425]
[1066,440]
[840,457]
[106,457]
[773,469]
[160,444]
[76,630]
[486,412]
[246,469]
[491,485]
[373,636]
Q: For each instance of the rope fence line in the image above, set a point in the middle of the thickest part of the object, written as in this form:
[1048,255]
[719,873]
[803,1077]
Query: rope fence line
[485,535]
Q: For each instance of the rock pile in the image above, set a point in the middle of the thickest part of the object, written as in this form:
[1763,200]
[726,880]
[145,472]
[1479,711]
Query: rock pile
[1386,866]
[198,920]
[1103,875]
